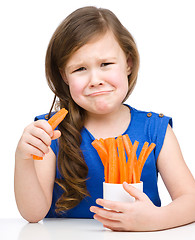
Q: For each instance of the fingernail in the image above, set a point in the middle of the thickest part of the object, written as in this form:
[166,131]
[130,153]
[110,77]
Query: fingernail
[98,201]
[91,209]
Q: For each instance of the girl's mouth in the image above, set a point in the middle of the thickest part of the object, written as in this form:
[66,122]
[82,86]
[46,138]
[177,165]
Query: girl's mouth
[99,93]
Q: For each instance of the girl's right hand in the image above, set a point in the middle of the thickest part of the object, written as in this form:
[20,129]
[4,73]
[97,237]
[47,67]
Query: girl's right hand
[36,140]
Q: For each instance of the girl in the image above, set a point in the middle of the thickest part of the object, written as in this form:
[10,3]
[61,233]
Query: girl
[92,65]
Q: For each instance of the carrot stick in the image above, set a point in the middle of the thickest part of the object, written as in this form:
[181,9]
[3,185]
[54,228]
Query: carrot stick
[37,158]
[113,161]
[135,178]
[106,167]
[54,121]
[141,158]
[122,159]
[107,142]
[130,166]
[131,163]
[102,141]
[128,144]
[106,172]
[148,151]
[102,152]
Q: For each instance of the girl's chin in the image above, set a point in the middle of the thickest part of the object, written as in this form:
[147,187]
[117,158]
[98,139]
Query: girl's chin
[102,105]
[101,109]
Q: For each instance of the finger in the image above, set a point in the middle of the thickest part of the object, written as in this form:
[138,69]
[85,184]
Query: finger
[31,150]
[116,229]
[40,134]
[43,124]
[105,213]
[38,144]
[112,205]
[56,134]
[134,192]
[111,224]
[38,138]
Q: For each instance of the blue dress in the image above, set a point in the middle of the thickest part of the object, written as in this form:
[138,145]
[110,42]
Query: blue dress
[144,126]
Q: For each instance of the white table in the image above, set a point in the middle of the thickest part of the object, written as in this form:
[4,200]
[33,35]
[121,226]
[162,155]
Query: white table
[82,229]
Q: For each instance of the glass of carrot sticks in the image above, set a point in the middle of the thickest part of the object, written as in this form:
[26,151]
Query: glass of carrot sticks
[121,164]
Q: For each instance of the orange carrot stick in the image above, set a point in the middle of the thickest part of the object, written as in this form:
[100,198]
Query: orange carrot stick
[106,142]
[102,141]
[130,166]
[106,167]
[37,158]
[106,172]
[101,150]
[128,144]
[131,163]
[54,121]
[113,161]
[141,158]
[135,178]
[103,154]
[148,151]
[122,159]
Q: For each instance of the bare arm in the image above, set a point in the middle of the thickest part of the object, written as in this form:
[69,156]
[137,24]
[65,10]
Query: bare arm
[34,179]
[179,182]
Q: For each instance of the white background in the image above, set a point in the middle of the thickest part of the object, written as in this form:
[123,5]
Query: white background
[165,35]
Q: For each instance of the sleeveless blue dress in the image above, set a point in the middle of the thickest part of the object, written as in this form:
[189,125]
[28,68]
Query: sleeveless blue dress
[144,126]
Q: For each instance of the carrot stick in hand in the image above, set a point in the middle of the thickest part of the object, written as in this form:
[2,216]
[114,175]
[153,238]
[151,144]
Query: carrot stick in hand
[57,118]
[54,121]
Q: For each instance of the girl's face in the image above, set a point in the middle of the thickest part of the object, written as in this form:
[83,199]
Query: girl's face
[97,75]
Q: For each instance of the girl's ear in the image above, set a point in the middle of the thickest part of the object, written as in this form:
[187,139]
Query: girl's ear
[63,75]
[129,65]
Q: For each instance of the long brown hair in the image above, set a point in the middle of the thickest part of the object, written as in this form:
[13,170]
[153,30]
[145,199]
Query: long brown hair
[75,31]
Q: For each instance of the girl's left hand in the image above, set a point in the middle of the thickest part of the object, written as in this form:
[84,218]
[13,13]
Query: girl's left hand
[140,215]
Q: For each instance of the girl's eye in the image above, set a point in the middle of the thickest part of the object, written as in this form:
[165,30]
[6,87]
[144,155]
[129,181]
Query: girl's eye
[79,69]
[105,64]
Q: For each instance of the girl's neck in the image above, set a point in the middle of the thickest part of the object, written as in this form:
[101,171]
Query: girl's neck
[108,125]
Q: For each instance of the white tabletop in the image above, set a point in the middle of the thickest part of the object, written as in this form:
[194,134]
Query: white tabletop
[82,229]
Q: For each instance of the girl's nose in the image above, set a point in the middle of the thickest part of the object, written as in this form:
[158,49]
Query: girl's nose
[95,81]
[96,84]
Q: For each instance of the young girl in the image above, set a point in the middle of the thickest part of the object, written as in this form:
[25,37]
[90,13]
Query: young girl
[92,65]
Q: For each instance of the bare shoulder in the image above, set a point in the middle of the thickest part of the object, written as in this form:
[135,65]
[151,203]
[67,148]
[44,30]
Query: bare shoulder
[172,167]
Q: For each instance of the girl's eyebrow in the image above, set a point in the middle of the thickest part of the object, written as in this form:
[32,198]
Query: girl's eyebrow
[79,64]
[73,66]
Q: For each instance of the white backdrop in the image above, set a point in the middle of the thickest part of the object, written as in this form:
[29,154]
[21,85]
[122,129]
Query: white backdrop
[165,35]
